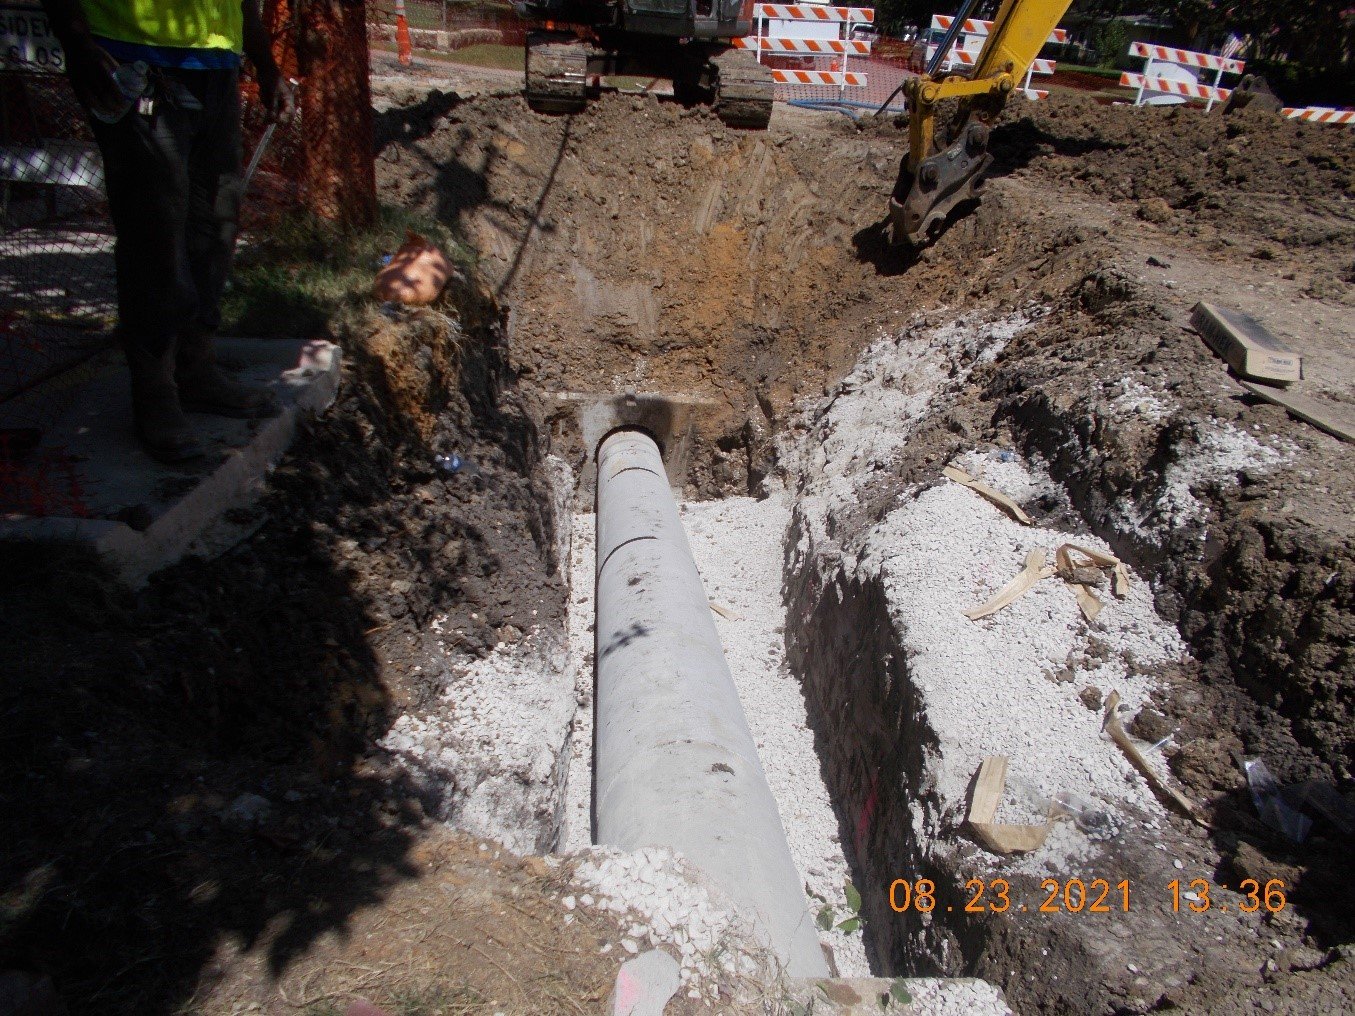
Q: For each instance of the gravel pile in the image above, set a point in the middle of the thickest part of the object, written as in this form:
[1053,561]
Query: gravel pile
[670,904]
[1004,685]
[491,760]
[937,997]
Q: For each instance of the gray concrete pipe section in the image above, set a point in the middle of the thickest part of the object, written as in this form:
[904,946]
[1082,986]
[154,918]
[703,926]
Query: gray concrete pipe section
[675,764]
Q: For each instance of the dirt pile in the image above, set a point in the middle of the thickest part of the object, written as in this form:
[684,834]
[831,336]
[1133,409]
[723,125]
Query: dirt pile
[1230,180]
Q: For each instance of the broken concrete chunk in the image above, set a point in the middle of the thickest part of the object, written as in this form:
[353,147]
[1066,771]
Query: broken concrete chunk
[645,984]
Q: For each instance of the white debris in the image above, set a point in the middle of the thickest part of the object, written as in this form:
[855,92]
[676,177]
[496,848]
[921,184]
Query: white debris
[492,758]
[960,997]
[1221,453]
[1130,397]
[999,686]
[874,410]
[676,907]
[577,832]
[988,687]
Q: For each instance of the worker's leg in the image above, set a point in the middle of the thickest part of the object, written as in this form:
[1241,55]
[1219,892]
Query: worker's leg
[146,178]
[214,195]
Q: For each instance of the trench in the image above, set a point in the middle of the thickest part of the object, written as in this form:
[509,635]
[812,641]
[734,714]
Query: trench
[737,544]
[733,288]
[858,755]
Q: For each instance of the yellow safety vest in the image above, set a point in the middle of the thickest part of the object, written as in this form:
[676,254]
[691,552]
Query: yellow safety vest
[181,24]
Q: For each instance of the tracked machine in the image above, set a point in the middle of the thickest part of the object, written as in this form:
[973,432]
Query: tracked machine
[688,41]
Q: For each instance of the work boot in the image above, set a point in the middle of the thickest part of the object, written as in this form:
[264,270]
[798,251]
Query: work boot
[205,388]
[157,415]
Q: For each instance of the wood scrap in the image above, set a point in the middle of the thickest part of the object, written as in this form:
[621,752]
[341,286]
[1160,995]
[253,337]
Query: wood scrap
[1168,794]
[1072,570]
[999,838]
[996,497]
[1331,417]
[724,612]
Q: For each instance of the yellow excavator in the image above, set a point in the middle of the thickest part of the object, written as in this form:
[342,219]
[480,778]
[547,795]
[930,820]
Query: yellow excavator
[945,167]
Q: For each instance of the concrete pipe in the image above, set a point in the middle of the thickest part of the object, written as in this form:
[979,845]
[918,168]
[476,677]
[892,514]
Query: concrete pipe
[675,764]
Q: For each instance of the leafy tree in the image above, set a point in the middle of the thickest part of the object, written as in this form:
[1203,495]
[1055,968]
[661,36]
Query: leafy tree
[1109,39]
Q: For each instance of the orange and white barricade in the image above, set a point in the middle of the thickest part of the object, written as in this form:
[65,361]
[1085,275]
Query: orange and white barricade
[818,38]
[1171,75]
[969,44]
[1321,114]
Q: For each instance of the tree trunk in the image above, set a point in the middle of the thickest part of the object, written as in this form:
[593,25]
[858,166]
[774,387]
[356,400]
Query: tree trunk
[331,57]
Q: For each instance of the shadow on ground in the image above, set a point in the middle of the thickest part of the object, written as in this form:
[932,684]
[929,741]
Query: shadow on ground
[189,773]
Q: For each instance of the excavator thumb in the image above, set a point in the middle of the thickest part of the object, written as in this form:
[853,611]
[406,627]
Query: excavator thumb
[922,200]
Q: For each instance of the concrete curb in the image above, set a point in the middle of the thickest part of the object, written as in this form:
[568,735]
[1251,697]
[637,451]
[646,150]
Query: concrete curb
[197,522]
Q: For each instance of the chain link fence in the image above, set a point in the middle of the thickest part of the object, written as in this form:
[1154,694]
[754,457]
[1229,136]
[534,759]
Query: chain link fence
[449,24]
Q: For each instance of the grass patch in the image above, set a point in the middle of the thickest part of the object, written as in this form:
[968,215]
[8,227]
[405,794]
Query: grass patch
[1100,72]
[485,54]
[289,281]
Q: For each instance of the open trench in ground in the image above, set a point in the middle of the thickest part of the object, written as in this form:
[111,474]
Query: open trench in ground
[814,385]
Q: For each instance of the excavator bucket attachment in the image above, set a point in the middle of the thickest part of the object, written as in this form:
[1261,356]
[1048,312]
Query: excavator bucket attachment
[1252,90]
[938,176]
[922,201]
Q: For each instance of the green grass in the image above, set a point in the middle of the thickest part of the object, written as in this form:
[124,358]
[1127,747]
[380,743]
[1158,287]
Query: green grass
[1100,72]
[292,279]
[489,55]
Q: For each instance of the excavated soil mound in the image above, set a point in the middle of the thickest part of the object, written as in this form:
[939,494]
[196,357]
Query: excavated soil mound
[642,244]
[1207,175]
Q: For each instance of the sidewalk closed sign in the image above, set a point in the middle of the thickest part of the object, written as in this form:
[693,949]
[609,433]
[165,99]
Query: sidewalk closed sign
[27,42]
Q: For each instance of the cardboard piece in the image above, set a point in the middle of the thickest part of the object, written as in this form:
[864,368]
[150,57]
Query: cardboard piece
[1066,567]
[1000,839]
[1033,572]
[1172,796]
[979,487]
[1332,417]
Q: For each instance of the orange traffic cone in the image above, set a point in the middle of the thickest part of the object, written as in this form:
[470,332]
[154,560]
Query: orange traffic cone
[403,48]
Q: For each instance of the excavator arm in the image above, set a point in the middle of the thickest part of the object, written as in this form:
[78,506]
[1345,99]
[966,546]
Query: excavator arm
[942,171]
